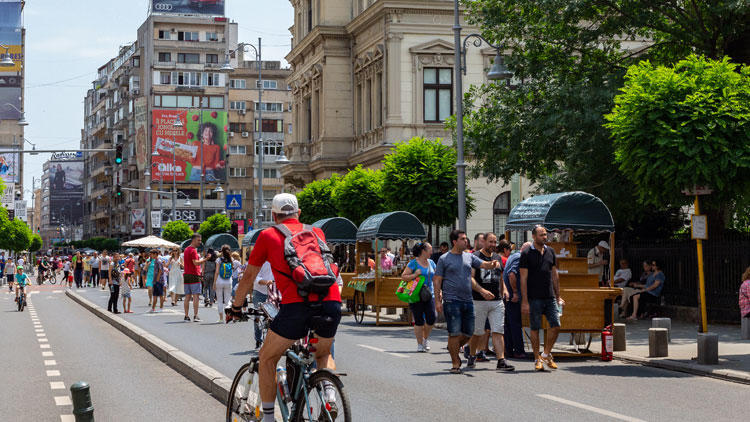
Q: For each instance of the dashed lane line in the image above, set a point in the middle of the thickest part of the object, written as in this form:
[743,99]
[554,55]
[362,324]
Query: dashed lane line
[57,385]
[47,354]
[44,346]
[50,362]
[377,349]
[592,409]
[53,373]
[63,401]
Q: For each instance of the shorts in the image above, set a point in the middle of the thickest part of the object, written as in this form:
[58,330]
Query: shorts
[86,273]
[192,288]
[492,311]
[158,289]
[423,312]
[294,319]
[459,317]
[104,275]
[546,307]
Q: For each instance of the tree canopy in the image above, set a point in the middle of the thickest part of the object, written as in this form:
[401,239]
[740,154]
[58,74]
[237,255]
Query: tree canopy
[569,59]
[359,194]
[683,126]
[420,177]
[316,200]
[215,224]
[36,243]
[176,231]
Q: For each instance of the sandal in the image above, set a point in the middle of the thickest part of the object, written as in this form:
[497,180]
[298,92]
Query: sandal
[457,371]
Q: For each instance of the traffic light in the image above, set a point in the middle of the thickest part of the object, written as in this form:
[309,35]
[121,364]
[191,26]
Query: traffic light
[118,154]
[118,191]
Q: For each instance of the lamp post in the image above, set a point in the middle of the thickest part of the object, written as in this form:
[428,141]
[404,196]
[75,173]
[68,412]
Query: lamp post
[498,72]
[22,120]
[7,61]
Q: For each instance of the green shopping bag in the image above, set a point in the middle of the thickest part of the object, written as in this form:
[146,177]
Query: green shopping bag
[408,291]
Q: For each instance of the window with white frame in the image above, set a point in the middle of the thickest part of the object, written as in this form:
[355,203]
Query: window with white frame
[210,79]
[237,83]
[269,174]
[271,107]
[270,148]
[241,192]
[267,84]
[237,150]
[237,172]
[237,105]
[212,36]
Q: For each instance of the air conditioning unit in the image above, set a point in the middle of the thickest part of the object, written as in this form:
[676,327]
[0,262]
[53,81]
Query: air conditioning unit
[231,134]
[243,111]
[245,134]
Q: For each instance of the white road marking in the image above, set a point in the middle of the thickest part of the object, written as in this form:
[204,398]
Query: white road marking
[377,349]
[39,330]
[57,385]
[67,418]
[57,291]
[42,340]
[53,373]
[41,334]
[47,354]
[44,346]
[63,401]
[50,362]
[593,409]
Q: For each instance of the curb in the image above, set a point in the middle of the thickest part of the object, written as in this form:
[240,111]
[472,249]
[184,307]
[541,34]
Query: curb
[722,374]
[207,378]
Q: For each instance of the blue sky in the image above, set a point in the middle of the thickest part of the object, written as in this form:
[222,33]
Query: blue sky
[66,41]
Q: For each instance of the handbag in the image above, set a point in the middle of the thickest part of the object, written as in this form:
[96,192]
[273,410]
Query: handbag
[409,291]
[425,295]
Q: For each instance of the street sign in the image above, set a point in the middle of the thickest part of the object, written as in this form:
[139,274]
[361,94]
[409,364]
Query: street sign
[699,225]
[234,202]
[697,190]
[20,210]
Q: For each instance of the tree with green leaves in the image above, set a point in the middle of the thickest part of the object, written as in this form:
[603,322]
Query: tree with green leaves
[569,59]
[675,127]
[176,231]
[420,177]
[359,194]
[36,243]
[215,224]
[17,236]
[316,200]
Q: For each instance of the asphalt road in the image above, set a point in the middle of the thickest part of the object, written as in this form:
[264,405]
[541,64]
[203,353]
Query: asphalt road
[55,343]
[388,381]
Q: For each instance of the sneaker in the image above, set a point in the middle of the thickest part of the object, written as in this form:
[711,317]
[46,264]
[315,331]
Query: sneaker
[196,319]
[538,365]
[467,353]
[503,366]
[258,344]
[420,348]
[471,362]
[481,357]
[426,345]
[549,362]
[490,353]
[187,318]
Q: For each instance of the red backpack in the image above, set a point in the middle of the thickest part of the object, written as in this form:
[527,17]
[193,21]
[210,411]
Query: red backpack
[310,261]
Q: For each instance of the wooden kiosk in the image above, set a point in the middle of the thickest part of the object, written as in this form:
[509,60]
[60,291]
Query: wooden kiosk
[588,307]
[341,236]
[377,287]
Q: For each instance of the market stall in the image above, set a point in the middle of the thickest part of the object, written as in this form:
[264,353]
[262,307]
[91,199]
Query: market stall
[341,236]
[588,307]
[374,286]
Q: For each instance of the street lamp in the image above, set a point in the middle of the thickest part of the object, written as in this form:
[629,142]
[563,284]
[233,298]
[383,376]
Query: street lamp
[6,61]
[22,121]
[497,72]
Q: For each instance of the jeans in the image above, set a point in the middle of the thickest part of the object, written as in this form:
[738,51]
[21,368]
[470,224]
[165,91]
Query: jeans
[78,276]
[459,316]
[513,330]
[546,307]
[94,277]
[209,295]
[114,293]
[258,298]
[223,296]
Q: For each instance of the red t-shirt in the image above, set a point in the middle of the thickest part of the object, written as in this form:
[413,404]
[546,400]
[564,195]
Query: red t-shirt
[213,156]
[130,264]
[191,254]
[270,247]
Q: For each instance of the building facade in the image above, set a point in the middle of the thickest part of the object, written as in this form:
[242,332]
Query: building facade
[254,125]
[369,73]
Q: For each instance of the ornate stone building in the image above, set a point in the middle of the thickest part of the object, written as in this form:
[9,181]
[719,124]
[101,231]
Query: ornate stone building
[369,73]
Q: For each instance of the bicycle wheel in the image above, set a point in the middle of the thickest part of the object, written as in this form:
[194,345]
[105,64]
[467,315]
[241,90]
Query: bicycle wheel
[326,400]
[20,303]
[52,278]
[243,403]
[359,307]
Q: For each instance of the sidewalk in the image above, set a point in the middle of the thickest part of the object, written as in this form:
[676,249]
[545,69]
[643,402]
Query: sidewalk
[734,353]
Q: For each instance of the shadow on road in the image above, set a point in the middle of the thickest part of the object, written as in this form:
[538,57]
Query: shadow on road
[625,371]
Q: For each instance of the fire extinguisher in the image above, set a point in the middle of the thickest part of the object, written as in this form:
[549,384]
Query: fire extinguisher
[607,343]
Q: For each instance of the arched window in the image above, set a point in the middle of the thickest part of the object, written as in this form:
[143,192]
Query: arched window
[500,212]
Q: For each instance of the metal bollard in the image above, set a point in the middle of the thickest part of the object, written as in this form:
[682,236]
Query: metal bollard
[82,407]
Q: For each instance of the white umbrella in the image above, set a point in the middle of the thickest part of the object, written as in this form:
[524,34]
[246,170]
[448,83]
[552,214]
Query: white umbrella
[150,242]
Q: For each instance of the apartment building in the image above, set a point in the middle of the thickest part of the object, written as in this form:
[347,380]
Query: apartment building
[254,125]
[369,73]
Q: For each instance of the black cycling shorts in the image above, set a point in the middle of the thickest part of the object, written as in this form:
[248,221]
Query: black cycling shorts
[294,319]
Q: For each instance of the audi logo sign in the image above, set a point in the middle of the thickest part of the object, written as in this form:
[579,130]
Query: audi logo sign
[162,7]
[189,7]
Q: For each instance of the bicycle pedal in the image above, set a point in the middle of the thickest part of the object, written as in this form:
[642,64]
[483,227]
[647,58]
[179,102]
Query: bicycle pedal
[340,374]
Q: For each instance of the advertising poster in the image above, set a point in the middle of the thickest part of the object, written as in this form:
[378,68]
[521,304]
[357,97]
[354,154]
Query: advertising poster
[138,221]
[141,133]
[9,197]
[202,131]
[10,77]
[191,7]
[240,226]
[20,209]
[66,192]
[9,167]
[155,219]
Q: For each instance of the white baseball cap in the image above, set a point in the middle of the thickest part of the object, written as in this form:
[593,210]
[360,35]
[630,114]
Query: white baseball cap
[284,203]
[604,244]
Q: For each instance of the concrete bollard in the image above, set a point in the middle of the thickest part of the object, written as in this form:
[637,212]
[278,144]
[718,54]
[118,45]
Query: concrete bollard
[618,337]
[745,328]
[658,343]
[82,408]
[663,323]
[708,348]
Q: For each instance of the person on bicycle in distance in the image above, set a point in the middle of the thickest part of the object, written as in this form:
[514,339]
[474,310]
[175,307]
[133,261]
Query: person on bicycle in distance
[295,314]
[22,280]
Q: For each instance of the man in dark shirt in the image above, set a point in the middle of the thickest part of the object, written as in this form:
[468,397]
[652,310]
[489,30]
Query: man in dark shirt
[540,294]
[443,249]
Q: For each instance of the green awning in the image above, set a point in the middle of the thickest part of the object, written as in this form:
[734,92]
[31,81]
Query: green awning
[250,238]
[216,241]
[186,243]
[391,225]
[338,230]
[579,211]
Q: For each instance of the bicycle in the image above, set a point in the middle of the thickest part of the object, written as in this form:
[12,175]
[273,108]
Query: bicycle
[48,275]
[304,390]
[21,299]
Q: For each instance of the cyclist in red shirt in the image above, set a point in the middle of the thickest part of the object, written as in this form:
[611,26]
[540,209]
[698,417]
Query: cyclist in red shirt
[295,315]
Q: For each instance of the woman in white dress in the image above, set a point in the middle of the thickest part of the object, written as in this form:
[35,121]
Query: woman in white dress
[176,284]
